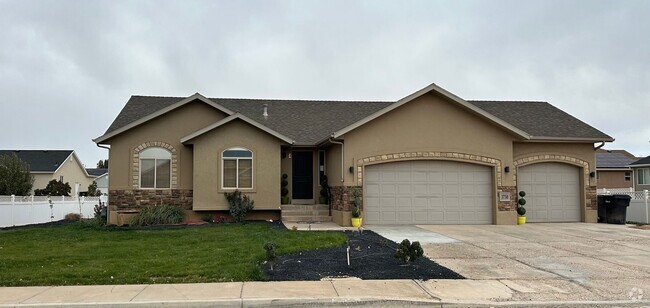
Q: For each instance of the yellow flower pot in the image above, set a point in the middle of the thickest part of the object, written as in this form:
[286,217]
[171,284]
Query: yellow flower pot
[356,222]
[521,220]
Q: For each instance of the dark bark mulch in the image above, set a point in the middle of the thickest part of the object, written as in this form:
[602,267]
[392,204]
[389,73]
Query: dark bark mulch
[371,257]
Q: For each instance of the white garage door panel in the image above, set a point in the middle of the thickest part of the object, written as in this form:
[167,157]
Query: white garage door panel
[552,192]
[428,192]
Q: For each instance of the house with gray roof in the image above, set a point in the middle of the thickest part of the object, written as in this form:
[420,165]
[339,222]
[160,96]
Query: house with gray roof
[641,170]
[428,158]
[613,169]
[47,165]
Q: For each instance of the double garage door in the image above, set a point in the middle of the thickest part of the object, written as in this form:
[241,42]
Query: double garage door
[447,192]
[428,192]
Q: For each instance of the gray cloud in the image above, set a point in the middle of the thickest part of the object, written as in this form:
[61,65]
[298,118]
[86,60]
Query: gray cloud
[68,67]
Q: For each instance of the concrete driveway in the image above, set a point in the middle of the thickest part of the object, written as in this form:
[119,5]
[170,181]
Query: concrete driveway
[569,261]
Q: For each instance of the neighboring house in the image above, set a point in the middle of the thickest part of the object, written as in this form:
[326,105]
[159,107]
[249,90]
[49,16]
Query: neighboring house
[613,170]
[641,170]
[100,177]
[47,165]
[429,158]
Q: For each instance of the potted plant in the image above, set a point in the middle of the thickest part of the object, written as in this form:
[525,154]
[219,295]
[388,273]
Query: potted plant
[356,209]
[284,192]
[521,210]
[324,187]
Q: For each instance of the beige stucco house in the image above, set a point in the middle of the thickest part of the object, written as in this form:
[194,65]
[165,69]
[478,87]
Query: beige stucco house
[613,169]
[429,158]
[47,165]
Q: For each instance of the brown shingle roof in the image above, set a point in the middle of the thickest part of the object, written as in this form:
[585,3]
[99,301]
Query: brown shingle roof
[309,122]
[540,119]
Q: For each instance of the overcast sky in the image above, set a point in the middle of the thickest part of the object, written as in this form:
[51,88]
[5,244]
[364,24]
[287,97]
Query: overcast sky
[68,67]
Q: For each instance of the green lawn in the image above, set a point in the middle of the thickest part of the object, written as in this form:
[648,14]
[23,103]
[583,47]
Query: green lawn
[79,253]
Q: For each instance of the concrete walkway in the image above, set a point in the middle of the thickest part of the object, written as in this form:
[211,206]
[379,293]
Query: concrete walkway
[552,265]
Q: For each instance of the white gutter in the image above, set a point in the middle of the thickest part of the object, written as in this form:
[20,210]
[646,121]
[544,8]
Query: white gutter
[342,158]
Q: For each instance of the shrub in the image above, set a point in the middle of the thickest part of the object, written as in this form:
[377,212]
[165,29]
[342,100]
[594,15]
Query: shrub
[239,205]
[270,253]
[409,252]
[54,188]
[93,191]
[15,178]
[72,217]
[159,215]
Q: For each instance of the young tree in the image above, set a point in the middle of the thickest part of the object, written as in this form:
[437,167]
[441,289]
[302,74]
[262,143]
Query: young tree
[54,188]
[15,178]
[93,191]
[102,164]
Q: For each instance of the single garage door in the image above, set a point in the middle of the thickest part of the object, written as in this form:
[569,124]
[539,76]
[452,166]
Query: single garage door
[428,192]
[552,192]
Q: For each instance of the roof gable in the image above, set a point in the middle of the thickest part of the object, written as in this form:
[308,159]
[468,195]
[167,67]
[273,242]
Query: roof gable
[138,110]
[41,161]
[433,88]
[232,118]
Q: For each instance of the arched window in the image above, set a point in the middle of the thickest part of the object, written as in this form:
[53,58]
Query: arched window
[155,168]
[237,168]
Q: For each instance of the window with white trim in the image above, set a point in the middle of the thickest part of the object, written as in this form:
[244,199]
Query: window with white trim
[155,168]
[628,176]
[643,176]
[237,168]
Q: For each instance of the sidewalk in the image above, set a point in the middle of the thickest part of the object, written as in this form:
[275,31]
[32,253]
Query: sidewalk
[339,292]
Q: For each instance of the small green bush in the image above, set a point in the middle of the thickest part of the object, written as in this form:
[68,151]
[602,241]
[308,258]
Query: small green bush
[270,253]
[164,214]
[239,205]
[408,252]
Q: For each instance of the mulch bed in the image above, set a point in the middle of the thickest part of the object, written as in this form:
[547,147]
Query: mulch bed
[371,257]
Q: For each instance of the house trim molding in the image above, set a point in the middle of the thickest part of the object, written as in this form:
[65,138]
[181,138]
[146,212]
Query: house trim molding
[453,156]
[136,162]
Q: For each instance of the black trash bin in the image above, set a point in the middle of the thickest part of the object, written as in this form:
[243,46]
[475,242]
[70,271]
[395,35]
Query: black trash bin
[603,202]
[617,209]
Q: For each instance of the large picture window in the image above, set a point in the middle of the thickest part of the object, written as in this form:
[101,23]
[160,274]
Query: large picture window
[237,171]
[155,168]
[644,176]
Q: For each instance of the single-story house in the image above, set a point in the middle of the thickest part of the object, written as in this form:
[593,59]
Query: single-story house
[47,165]
[100,177]
[641,170]
[429,158]
[613,168]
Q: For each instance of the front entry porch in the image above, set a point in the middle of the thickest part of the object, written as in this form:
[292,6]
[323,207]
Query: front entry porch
[305,213]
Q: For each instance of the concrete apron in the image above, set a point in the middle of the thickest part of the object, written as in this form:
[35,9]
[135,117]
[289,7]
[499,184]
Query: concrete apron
[551,262]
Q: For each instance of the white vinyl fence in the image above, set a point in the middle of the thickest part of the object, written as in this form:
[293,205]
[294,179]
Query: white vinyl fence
[639,209]
[26,210]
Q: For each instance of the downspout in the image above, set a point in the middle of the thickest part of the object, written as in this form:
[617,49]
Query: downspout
[332,140]
[108,212]
[602,144]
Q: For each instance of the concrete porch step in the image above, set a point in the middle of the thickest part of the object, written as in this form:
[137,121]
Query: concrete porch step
[307,218]
[305,207]
[305,213]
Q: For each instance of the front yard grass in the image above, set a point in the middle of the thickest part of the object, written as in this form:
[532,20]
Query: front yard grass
[79,253]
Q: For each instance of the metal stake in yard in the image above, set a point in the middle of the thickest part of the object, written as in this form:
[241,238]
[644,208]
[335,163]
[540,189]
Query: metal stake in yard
[348,255]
